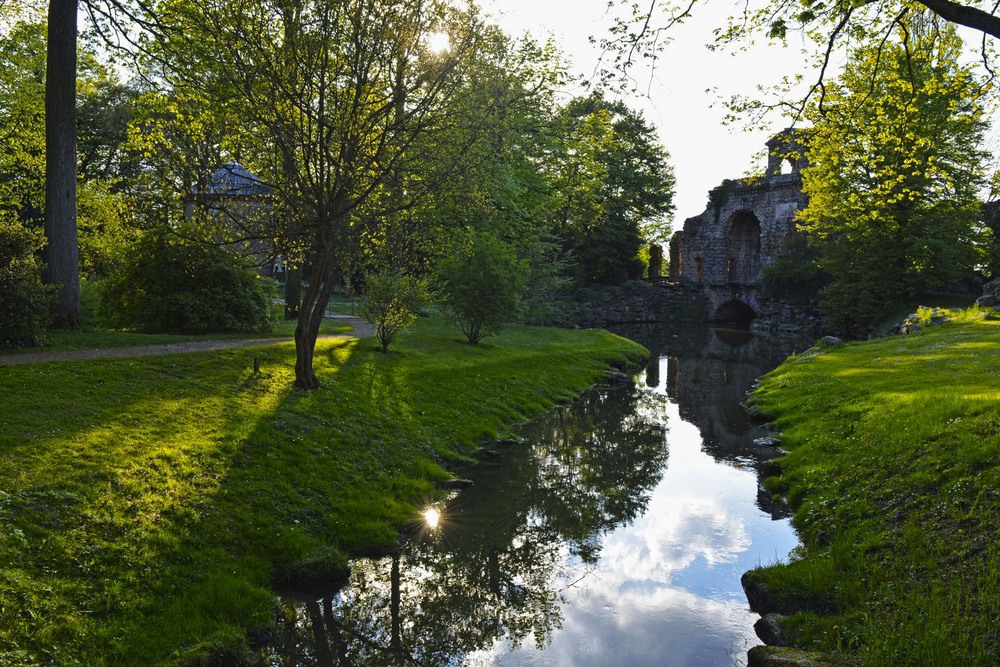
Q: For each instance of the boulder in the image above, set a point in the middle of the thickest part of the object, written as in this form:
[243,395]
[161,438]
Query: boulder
[768,441]
[761,597]
[831,341]
[775,656]
[768,629]
[987,301]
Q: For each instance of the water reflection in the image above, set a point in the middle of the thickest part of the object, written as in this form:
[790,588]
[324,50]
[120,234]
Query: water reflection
[586,546]
[505,549]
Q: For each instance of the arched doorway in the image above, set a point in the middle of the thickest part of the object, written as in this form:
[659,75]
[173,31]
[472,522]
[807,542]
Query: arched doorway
[734,313]
[743,265]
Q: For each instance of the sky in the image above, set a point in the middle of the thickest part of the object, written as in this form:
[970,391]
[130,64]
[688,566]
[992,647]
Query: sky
[686,93]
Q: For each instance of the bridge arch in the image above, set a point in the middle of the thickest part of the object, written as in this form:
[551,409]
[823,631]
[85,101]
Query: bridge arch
[735,313]
[743,264]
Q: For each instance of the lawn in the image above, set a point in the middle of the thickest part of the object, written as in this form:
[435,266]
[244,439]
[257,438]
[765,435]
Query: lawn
[149,505]
[894,474]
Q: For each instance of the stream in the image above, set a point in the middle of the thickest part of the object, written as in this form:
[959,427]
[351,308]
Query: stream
[615,533]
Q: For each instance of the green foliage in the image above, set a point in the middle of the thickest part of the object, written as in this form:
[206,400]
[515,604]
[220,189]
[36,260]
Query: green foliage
[895,174]
[795,275]
[390,300]
[149,504]
[24,301]
[481,283]
[170,284]
[101,213]
[893,472]
[614,189]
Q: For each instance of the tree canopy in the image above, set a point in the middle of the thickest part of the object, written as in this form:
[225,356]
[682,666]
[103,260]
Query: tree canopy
[895,175]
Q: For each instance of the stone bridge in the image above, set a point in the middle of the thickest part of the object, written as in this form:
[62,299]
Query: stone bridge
[747,224]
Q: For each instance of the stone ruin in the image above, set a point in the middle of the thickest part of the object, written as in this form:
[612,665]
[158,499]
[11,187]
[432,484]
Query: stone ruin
[746,225]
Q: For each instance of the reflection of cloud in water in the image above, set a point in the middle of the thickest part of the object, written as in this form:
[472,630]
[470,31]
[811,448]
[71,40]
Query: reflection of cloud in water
[631,604]
[660,626]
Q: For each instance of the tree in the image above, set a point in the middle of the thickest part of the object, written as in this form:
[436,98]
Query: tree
[390,301]
[481,283]
[100,212]
[329,98]
[61,252]
[24,301]
[896,169]
[615,188]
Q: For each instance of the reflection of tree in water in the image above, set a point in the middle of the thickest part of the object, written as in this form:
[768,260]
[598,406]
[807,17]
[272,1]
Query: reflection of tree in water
[494,569]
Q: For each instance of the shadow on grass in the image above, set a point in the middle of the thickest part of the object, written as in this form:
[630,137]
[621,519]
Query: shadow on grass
[147,504]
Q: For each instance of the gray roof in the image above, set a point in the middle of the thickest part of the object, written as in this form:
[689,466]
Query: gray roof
[233,180]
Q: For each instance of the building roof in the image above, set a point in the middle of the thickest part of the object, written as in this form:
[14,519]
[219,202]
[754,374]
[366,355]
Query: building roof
[233,180]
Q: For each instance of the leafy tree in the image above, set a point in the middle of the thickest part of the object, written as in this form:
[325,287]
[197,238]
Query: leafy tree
[896,168]
[328,98]
[24,301]
[615,189]
[481,283]
[174,285]
[390,301]
[103,227]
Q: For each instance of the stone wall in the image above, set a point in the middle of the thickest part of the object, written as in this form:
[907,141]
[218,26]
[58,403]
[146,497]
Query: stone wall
[639,302]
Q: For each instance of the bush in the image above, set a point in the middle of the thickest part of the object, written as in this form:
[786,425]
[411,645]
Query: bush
[170,284]
[24,300]
[481,285]
[794,279]
[390,301]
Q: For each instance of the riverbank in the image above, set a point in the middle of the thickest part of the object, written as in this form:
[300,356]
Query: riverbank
[149,504]
[894,475]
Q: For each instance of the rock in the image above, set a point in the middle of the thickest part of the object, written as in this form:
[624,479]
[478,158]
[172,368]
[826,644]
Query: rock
[768,441]
[510,442]
[831,340]
[770,469]
[490,454]
[775,656]
[455,484]
[761,597]
[768,629]
[987,301]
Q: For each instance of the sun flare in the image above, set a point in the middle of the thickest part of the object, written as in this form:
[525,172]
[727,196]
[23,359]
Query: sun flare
[438,42]
[432,517]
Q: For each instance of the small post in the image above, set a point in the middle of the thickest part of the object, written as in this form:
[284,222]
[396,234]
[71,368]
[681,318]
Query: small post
[256,365]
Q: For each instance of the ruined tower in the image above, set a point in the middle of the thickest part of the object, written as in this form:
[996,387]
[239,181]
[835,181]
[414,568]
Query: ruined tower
[744,228]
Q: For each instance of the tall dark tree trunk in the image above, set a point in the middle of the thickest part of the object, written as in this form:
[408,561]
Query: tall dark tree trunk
[61,253]
[311,315]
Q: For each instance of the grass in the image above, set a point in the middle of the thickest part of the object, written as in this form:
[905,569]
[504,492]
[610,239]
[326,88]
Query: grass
[88,338]
[894,474]
[148,505]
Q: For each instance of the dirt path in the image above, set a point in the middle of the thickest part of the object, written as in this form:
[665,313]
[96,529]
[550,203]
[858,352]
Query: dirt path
[362,329]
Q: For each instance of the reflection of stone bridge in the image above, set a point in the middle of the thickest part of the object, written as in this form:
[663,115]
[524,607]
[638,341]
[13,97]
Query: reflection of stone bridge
[745,227]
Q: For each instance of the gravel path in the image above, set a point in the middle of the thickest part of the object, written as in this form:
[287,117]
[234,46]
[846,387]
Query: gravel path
[362,329]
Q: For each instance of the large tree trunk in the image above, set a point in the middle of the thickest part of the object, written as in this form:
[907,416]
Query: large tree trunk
[310,319]
[61,253]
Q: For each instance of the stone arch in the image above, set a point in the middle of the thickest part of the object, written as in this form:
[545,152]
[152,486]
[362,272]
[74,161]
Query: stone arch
[743,264]
[735,313]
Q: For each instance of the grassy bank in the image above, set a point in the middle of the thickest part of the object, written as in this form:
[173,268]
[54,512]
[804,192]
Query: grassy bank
[147,505]
[894,473]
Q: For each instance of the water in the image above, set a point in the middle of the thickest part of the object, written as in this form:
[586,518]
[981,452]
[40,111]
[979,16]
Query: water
[615,535]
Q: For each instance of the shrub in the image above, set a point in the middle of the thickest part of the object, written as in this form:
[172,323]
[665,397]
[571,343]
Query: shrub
[481,283]
[24,300]
[390,301]
[794,279]
[170,284]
